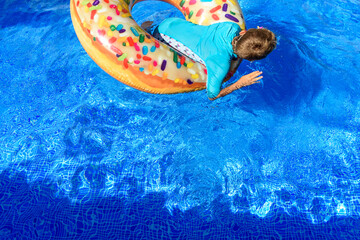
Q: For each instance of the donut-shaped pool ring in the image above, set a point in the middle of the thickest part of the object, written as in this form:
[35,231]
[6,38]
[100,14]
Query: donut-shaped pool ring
[123,49]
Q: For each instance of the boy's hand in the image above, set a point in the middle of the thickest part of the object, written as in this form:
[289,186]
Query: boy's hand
[245,80]
[249,79]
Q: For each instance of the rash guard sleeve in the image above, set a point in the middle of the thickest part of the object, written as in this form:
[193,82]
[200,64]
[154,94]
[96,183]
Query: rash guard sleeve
[215,78]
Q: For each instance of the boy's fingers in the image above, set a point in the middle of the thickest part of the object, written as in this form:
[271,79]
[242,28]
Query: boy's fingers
[251,75]
[258,78]
[256,73]
[254,76]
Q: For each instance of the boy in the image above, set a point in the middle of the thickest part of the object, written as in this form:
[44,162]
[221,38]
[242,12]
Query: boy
[217,45]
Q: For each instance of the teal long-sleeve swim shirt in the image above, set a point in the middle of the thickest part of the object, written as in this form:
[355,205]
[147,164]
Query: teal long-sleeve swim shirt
[211,43]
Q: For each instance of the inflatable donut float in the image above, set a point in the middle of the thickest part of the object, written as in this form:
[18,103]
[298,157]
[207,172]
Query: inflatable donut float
[128,53]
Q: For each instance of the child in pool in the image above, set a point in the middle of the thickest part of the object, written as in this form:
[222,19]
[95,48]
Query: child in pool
[217,45]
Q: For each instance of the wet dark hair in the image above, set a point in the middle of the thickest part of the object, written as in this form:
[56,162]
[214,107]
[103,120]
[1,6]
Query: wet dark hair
[255,44]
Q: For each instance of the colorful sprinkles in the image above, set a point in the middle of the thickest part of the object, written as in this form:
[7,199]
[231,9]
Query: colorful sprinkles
[231,17]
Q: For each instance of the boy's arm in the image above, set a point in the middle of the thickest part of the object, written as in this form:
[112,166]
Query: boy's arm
[245,80]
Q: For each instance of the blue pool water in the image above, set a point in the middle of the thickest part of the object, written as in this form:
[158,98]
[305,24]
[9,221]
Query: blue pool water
[82,156]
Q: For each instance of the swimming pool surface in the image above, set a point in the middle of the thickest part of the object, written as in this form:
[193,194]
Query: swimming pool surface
[83,156]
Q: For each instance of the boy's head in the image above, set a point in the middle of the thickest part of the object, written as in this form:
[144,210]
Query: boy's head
[254,44]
